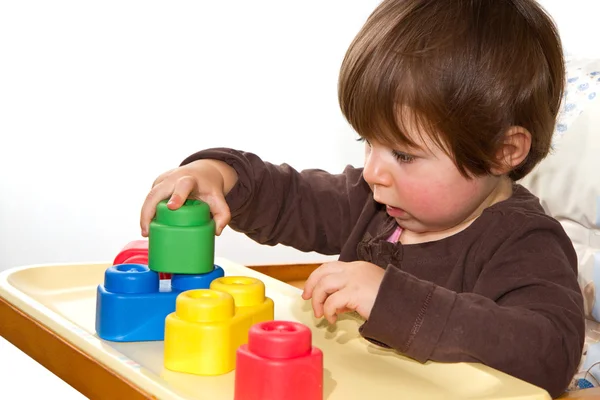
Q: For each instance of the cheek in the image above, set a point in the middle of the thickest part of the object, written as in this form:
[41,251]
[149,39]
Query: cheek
[419,199]
[437,198]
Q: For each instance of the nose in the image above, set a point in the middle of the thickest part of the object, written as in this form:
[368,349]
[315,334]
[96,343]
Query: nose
[375,171]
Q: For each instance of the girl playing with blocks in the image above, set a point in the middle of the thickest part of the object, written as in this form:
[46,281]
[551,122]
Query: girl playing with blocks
[441,251]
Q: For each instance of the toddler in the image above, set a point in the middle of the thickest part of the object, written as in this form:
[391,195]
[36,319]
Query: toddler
[442,252]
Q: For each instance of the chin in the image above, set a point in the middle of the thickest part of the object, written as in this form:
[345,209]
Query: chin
[416,227]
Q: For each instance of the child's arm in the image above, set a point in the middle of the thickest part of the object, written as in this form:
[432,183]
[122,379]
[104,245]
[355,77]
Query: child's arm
[524,315]
[310,210]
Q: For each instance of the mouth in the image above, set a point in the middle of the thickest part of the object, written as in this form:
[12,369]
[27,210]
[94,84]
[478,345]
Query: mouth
[394,211]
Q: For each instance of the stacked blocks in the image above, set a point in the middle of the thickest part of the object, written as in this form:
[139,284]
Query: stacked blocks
[136,252]
[279,362]
[208,326]
[133,303]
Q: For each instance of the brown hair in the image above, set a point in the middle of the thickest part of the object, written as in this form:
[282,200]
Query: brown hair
[466,70]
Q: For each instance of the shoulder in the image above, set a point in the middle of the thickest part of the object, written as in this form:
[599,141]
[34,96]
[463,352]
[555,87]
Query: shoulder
[520,223]
[523,209]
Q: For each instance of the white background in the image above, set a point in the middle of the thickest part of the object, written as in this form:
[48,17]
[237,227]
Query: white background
[98,98]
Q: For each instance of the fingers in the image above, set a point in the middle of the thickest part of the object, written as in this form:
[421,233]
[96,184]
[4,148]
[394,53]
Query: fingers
[177,194]
[181,191]
[328,289]
[220,211]
[336,304]
[323,282]
[310,283]
[316,276]
[201,181]
[155,196]
[328,285]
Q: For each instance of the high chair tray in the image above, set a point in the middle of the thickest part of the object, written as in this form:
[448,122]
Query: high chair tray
[49,312]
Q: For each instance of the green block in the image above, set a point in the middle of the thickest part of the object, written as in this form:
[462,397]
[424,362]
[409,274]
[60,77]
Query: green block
[182,241]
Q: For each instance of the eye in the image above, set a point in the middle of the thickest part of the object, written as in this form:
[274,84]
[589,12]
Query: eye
[403,157]
[363,140]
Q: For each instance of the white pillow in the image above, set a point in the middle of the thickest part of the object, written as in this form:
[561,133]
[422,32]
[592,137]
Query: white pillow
[568,180]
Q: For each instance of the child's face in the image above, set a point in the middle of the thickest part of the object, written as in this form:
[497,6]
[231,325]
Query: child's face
[423,189]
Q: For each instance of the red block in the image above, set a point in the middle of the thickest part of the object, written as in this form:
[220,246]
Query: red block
[279,362]
[132,249]
[136,252]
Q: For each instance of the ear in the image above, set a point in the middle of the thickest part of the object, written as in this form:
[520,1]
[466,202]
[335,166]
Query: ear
[513,150]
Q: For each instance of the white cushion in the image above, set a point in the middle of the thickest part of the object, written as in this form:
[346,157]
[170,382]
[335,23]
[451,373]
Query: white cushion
[568,180]
[568,185]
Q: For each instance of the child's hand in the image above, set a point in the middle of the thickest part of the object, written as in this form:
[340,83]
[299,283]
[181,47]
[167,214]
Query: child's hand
[339,287]
[206,180]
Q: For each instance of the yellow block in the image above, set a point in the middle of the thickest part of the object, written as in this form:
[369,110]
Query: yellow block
[208,325]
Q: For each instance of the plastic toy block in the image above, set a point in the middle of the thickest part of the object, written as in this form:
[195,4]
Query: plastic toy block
[209,325]
[182,241]
[279,362]
[133,303]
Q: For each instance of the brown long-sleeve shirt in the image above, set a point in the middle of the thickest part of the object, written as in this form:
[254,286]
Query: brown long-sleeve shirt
[502,292]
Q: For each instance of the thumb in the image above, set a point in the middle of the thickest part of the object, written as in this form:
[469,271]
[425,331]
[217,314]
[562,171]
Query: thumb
[220,211]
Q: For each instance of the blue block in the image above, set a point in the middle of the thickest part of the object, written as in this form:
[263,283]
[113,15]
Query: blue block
[132,304]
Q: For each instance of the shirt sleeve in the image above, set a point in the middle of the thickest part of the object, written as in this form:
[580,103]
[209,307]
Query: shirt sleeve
[310,210]
[524,316]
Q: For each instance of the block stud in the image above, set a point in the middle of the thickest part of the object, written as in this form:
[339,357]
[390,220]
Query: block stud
[131,278]
[246,291]
[204,305]
[279,340]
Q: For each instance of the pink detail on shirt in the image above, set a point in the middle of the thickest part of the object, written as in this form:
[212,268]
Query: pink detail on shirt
[395,235]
